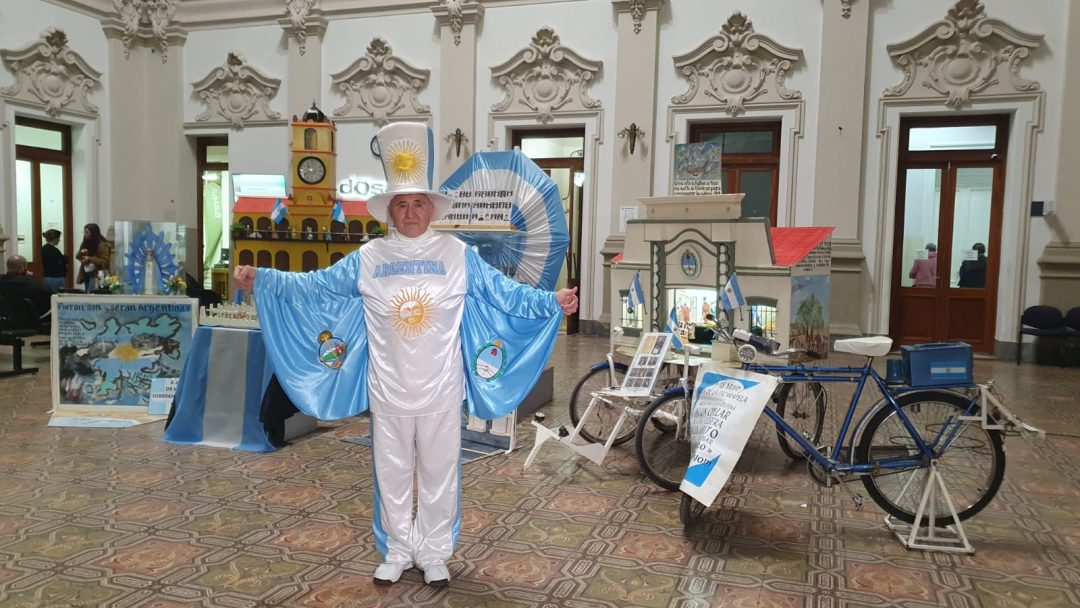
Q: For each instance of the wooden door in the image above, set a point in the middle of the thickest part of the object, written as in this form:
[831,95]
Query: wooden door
[946,251]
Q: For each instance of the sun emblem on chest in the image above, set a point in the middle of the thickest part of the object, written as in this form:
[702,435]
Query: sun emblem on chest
[413,312]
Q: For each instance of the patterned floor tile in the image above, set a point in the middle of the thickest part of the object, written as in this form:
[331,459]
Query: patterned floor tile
[117,518]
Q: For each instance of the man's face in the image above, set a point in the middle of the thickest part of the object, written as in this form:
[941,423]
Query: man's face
[411,213]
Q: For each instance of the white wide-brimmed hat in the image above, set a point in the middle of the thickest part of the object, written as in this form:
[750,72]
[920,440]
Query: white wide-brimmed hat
[407,151]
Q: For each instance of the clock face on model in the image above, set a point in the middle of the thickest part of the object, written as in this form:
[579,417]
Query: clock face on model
[311,170]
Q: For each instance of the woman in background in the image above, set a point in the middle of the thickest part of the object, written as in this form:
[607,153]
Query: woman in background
[95,254]
[54,264]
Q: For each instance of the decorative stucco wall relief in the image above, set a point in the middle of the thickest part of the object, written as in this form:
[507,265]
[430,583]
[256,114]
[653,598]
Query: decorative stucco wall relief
[546,76]
[237,92]
[298,11]
[964,55]
[380,85]
[50,75]
[735,67]
[138,16]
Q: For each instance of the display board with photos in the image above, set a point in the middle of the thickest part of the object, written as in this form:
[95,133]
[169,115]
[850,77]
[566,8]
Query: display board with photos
[650,354]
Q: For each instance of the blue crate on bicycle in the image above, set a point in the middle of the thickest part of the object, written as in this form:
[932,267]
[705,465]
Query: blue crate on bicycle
[937,364]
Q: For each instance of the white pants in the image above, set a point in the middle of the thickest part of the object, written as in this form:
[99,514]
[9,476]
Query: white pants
[430,445]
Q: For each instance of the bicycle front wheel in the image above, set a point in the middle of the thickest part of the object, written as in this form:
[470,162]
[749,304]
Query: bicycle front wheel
[801,405]
[602,420]
[970,459]
[663,440]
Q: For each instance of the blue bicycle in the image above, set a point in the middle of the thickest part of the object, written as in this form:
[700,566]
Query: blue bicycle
[894,446]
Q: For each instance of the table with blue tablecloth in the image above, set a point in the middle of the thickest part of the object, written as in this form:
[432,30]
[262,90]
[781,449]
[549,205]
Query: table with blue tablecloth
[228,396]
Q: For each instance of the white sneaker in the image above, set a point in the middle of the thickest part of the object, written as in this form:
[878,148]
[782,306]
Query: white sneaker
[436,575]
[388,573]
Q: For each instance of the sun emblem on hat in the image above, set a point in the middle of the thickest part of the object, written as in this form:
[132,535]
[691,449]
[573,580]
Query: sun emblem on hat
[412,310]
[405,162]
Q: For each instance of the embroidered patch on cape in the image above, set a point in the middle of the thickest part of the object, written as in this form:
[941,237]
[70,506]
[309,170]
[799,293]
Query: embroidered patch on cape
[490,361]
[331,350]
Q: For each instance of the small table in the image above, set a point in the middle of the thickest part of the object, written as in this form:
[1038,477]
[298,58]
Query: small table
[228,396]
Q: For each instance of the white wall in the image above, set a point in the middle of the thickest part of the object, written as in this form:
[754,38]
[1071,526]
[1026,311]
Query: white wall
[794,25]
[588,28]
[91,189]
[898,21]
[265,48]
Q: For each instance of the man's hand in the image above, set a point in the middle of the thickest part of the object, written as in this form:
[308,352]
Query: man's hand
[568,300]
[244,277]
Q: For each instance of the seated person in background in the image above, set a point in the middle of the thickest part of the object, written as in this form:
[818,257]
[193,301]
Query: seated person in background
[973,272]
[19,283]
[925,271]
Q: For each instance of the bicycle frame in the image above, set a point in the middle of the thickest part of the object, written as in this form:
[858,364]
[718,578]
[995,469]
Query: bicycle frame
[859,375]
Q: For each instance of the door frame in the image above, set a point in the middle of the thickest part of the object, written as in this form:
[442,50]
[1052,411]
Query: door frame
[36,157]
[576,164]
[201,165]
[949,161]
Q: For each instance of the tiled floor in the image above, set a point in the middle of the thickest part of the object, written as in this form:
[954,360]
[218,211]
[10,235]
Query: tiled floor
[118,518]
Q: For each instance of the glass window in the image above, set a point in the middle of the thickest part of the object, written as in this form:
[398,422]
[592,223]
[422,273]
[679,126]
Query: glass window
[742,142]
[39,138]
[552,147]
[972,208]
[931,139]
[922,201]
[217,154]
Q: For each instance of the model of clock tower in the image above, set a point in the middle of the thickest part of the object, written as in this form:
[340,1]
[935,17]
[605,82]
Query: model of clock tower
[313,159]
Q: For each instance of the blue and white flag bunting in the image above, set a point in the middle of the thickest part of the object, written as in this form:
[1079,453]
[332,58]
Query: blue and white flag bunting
[635,296]
[673,329]
[338,214]
[278,212]
[732,298]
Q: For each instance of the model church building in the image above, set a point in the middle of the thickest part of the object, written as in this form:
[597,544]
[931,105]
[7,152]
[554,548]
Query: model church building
[306,235]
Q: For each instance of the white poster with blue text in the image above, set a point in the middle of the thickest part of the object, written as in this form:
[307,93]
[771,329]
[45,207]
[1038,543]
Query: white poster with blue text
[726,407]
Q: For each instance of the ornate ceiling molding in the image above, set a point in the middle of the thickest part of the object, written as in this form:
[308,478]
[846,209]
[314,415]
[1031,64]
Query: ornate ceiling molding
[298,12]
[380,85]
[637,10]
[735,67]
[145,22]
[964,55]
[50,75]
[456,13]
[546,77]
[237,92]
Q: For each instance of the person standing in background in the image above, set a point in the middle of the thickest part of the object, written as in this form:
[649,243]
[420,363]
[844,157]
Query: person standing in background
[95,253]
[924,271]
[54,264]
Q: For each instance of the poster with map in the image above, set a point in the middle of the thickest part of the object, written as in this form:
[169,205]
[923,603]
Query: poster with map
[108,350]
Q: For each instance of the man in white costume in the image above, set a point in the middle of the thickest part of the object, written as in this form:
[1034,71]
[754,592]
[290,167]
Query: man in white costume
[424,306]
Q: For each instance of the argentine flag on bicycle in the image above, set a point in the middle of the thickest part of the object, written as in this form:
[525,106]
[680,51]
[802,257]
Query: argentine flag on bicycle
[673,329]
[732,298]
[635,296]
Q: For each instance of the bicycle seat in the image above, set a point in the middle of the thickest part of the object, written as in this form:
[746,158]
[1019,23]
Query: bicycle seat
[868,346]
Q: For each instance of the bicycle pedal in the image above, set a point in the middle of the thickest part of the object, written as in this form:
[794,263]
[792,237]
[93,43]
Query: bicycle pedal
[563,432]
[859,501]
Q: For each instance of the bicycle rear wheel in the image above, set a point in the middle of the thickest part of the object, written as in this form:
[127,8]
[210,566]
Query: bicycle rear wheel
[972,463]
[663,440]
[690,510]
[801,405]
[602,420]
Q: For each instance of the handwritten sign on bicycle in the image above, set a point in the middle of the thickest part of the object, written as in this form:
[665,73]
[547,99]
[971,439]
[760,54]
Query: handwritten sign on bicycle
[650,354]
[725,409]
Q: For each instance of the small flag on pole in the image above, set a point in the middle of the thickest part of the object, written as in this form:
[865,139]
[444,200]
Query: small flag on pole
[673,329]
[278,212]
[635,296]
[732,298]
[338,214]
